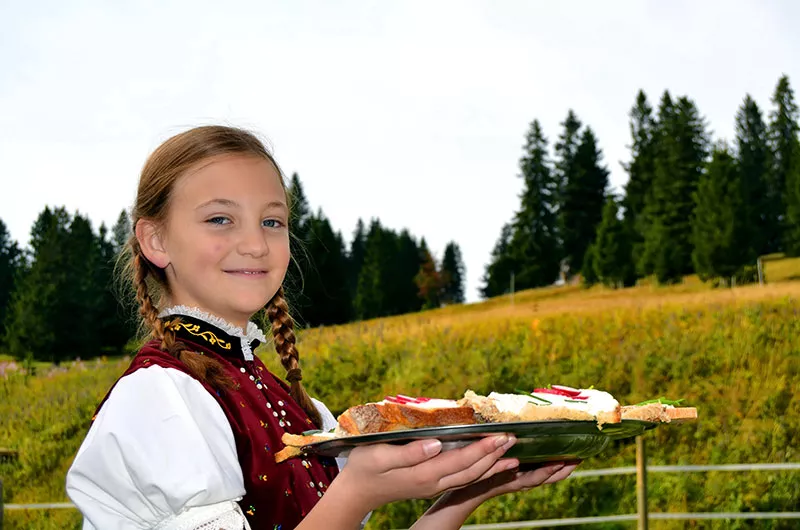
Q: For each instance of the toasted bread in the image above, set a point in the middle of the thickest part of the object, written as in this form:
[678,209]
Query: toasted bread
[656,412]
[383,417]
[295,442]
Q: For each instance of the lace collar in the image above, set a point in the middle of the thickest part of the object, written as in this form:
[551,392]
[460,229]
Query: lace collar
[247,339]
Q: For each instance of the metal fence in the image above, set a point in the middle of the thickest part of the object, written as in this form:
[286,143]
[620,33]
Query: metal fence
[642,516]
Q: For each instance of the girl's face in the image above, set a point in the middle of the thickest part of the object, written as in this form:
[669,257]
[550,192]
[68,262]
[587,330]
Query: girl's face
[226,241]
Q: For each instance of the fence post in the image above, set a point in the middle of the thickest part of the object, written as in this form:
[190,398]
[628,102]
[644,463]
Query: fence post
[641,482]
[1,503]
[760,271]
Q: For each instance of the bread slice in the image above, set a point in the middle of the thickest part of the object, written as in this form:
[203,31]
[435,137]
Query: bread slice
[657,412]
[391,414]
[388,416]
[295,442]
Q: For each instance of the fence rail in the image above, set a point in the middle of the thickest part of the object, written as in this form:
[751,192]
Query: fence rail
[641,470]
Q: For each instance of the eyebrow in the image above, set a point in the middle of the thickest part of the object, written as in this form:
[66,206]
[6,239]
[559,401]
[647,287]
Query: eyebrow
[234,204]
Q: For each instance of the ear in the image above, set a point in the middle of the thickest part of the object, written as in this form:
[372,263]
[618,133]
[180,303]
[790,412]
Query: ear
[151,243]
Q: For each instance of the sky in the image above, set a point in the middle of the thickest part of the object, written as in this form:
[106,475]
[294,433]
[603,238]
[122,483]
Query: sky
[413,112]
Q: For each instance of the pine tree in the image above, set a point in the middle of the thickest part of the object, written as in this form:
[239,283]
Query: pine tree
[38,316]
[761,233]
[405,266]
[583,200]
[428,280]
[114,316]
[611,259]
[496,279]
[374,280]
[325,282]
[452,272]
[302,261]
[641,171]
[534,242]
[783,129]
[589,270]
[355,257]
[121,232]
[300,209]
[792,199]
[81,296]
[566,149]
[681,155]
[126,310]
[720,219]
[10,267]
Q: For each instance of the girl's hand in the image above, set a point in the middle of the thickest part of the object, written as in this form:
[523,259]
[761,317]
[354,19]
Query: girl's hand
[383,473]
[512,481]
[453,508]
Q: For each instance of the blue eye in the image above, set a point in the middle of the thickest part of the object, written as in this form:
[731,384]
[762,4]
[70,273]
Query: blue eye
[272,223]
[219,220]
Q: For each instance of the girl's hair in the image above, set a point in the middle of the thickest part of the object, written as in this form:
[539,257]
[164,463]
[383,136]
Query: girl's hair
[166,164]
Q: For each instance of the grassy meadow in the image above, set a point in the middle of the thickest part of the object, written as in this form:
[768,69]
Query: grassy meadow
[733,353]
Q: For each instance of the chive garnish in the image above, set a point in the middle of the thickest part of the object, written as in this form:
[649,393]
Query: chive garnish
[661,400]
[533,396]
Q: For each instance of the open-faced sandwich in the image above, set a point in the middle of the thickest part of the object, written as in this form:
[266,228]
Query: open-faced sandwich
[555,402]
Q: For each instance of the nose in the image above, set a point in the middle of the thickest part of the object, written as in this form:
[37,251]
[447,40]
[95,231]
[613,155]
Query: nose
[253,242]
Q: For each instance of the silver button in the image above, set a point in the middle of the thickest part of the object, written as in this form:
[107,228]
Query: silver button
[242,369]
[311,484]
[280,403]
[269,405]
[258,386]
[283,413]
[320,484]
[275,414]
[319,494]
[281,423]
[288,423]
[252,378]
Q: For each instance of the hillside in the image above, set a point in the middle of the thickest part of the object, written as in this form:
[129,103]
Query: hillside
[735,354]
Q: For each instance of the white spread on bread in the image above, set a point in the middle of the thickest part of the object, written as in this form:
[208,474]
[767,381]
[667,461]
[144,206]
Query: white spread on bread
[592,401]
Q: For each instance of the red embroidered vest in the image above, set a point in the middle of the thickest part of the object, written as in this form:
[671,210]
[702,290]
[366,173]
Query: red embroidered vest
[259,410]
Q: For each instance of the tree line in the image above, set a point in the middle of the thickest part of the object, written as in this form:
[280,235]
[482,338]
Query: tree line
[60,297]
[690,205]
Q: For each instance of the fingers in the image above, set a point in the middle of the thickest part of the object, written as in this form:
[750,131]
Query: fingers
[562,473]
[459,476]
[385,457]
[547,474]
[504,464]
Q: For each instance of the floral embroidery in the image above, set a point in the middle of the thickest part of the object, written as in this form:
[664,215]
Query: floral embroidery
[262,477]
[263,424]
[194,329]
[242,404]
[287,492]
[266,447]
[251,511]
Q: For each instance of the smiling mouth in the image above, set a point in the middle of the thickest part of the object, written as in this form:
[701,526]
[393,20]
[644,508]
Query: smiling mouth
[248,272]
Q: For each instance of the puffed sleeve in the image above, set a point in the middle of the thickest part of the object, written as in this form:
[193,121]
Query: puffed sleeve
[160,454]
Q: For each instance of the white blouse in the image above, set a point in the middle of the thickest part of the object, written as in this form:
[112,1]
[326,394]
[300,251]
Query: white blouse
[161,455]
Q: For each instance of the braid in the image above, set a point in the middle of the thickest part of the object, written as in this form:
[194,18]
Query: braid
[204,368]
[283,333]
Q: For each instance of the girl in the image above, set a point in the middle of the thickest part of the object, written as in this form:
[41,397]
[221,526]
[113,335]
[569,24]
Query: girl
[185,438]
